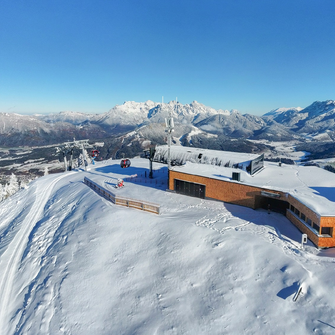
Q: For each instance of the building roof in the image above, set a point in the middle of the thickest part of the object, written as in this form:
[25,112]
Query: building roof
[312,186]
[204,156]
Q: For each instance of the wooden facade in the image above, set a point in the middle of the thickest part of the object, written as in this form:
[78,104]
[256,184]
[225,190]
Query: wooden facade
[320,230]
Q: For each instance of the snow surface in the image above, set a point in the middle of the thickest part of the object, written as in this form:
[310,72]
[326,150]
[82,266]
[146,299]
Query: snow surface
[324,161]
[184,154]
[311,185]
[283,149]
[73,263]
[282,110]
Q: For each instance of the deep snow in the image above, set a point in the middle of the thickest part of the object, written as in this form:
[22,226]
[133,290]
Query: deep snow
[73,263]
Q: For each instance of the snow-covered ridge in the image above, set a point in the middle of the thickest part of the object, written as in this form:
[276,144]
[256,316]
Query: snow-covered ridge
[73,263]
[281,110]
[318,117]
[279,124]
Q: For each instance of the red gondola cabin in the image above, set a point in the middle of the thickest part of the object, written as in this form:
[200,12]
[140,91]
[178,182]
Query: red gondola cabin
[95,153]
[125,163]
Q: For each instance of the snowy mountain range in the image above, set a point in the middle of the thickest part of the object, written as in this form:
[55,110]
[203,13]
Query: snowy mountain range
[279,124]
[317,118]
[139,124]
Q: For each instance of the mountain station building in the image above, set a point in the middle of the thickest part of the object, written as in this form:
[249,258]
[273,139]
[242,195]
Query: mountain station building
[304,194]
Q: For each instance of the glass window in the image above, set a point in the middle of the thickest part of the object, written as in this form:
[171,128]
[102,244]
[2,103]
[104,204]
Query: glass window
[316,227]
[292,208]
[328,231]
[197,190]
[188,188]
[309,221]
[303,217]
[192,193]
[297,212]
[202,191]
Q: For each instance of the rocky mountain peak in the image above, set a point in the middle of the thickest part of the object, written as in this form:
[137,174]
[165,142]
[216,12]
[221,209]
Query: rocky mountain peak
[319,107]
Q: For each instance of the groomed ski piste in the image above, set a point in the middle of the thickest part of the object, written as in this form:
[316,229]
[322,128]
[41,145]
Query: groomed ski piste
[71,262]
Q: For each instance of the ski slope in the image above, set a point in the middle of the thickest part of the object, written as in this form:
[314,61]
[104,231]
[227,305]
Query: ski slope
[73,263]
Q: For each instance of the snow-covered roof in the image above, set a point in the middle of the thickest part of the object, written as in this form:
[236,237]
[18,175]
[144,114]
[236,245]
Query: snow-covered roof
[312,186]
[204,156]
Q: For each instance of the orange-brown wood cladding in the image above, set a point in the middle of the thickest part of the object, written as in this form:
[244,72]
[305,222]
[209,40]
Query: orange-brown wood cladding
[326,242]
[314,238]
[232,192]
[304,209]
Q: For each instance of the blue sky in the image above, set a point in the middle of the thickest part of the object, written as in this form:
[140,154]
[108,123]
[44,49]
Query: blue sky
[88,56]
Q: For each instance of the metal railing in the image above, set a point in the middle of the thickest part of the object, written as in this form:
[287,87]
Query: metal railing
[122,201]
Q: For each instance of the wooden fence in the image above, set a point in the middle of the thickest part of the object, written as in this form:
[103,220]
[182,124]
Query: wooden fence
[115,199]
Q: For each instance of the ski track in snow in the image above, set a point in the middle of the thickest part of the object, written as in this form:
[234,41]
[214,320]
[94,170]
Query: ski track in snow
[46,235]
[16,248]
[11,224]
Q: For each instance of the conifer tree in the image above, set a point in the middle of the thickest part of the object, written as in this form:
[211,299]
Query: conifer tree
[2,195]
[13,185]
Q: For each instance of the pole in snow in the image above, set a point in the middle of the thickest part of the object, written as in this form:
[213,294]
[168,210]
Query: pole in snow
[169,129]
[151,158]
[65,161]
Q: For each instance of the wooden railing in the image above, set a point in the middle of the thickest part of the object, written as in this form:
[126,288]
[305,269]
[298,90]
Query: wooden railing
[117,200]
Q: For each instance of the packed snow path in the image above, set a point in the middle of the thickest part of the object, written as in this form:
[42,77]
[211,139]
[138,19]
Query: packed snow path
[14,252]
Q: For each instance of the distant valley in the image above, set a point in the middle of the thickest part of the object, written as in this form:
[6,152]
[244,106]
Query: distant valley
[29,142]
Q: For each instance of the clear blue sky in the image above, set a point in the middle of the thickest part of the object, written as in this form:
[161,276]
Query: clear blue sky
[88,56]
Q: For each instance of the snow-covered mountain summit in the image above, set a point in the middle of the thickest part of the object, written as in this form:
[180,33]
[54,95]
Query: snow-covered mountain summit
[185,114]
[319,117]
[319,108]
[136,113]
[282,110]
[130,113]
[72,262]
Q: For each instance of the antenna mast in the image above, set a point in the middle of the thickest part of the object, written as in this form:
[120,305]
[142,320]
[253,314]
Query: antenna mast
[169,129]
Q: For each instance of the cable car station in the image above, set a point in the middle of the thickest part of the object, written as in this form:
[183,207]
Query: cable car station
[305,195]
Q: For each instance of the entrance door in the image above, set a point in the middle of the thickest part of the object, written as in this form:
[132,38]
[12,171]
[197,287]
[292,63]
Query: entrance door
[275,205]
[188,188]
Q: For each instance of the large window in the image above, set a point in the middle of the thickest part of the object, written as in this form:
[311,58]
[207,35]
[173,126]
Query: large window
[316,227]
[327,231]
[188,188]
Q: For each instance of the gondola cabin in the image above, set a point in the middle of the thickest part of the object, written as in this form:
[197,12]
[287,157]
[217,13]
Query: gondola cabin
[125,163]
[95,153]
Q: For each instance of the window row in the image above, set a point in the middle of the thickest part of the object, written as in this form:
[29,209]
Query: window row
[304,218]
[325,231]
